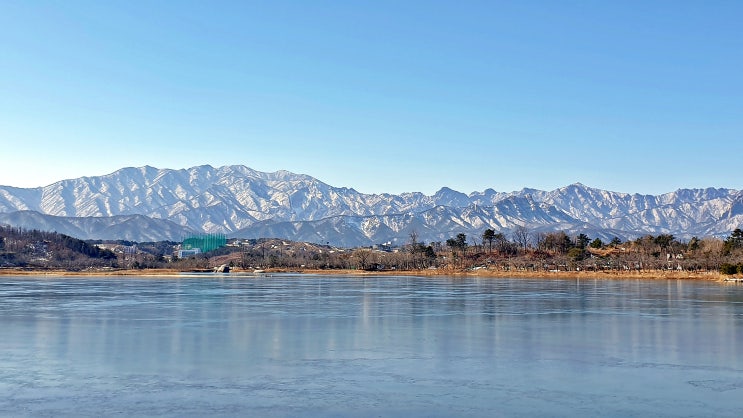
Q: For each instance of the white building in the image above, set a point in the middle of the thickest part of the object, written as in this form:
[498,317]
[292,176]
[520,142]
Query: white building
[188,253]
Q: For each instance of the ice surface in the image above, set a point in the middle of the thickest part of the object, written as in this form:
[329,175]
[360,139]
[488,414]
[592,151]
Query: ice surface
[368,346]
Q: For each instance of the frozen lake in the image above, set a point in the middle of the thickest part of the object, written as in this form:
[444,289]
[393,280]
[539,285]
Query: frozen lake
[369,346]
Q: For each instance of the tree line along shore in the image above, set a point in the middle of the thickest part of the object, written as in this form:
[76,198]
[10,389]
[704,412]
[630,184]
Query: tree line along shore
[491,254]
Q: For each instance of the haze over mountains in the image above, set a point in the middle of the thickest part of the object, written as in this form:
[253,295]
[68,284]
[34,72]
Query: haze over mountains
[150,204]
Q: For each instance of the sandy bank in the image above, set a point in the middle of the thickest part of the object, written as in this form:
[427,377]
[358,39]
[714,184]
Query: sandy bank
[662,275]
[649,275]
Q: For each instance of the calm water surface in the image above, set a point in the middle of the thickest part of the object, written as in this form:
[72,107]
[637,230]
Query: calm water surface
[372,346]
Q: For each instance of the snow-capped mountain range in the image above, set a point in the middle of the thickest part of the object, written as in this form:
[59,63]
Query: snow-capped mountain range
[149,204]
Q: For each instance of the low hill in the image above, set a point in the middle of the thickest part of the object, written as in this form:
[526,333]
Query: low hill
[49,250]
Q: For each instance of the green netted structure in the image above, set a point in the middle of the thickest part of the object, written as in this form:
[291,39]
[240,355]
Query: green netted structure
[205,242]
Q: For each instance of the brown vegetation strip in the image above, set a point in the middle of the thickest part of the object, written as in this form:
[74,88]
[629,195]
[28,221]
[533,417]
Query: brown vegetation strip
[660,274]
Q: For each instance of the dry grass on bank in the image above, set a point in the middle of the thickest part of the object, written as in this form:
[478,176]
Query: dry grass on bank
[660,274]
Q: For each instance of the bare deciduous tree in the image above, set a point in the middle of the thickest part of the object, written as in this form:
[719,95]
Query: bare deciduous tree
[521,236]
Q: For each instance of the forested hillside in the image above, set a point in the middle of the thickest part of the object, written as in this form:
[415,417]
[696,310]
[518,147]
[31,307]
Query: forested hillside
[41,249]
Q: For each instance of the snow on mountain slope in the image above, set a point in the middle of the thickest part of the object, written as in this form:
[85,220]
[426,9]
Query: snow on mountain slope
[127,227]
[238,200]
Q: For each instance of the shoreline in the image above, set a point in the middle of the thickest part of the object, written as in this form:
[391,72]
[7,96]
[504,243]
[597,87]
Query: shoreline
[645,275]
[483,273]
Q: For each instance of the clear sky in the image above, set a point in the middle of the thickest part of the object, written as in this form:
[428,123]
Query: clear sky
[382,96]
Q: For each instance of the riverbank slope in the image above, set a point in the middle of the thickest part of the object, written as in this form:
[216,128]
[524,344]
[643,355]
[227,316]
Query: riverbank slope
[645,274]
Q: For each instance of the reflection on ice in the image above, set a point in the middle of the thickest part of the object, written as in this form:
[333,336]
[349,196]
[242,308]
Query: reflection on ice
[371,346]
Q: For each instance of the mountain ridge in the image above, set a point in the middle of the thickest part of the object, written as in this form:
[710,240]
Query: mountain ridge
[240,201]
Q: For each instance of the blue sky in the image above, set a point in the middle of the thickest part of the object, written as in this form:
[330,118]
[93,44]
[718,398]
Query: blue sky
[381,96]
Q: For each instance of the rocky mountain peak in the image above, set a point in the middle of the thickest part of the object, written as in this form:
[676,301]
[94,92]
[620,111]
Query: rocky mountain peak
[239,201]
